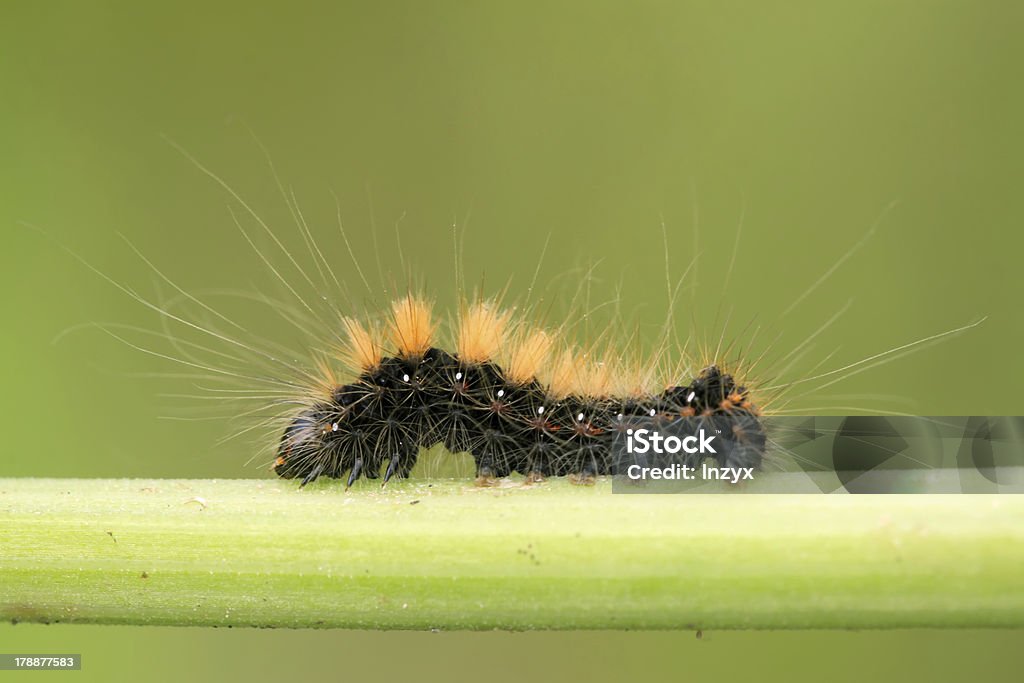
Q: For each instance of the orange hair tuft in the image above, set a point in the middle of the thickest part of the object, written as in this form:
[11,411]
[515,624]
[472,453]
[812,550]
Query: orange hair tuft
[412,330]
[481,332]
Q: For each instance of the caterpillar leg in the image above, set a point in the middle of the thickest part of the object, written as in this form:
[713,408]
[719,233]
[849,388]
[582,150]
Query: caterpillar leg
[496,457]
[587,474]
[312,476]
[487,471]
[399,465]
[353,476]
[392,468]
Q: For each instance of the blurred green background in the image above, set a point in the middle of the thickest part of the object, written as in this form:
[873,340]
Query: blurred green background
[586,124]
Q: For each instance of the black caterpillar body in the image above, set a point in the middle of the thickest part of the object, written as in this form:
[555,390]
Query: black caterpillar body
[403,404]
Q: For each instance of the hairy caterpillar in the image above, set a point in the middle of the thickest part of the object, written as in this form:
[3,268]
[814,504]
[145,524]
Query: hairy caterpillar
[518,397]
[537,413]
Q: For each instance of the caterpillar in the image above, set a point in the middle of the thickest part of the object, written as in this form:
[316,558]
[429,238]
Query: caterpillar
[507,396]
[519,397]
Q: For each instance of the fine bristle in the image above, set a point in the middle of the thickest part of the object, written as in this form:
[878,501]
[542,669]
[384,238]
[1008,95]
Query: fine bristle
[595,380]
[633,378]
[412,330]
[325,380]
[363,351]
[530,352]
[481,332]
[565,376]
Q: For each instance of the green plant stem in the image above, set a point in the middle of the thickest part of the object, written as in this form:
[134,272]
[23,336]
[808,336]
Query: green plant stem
[450,555]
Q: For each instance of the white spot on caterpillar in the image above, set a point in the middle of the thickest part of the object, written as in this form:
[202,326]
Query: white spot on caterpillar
[579,418]
[540,411]
[334,427]
[689,399]
[651,412]
[458,375]
[501,393]
[405,378]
